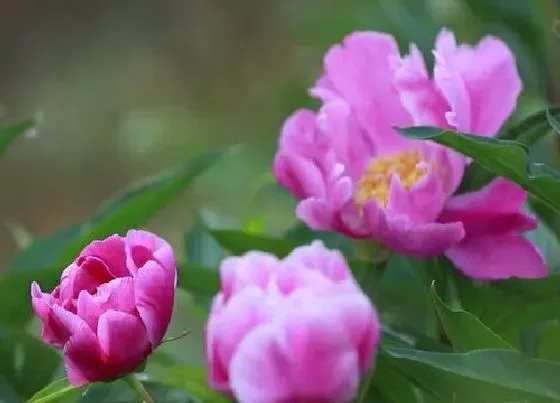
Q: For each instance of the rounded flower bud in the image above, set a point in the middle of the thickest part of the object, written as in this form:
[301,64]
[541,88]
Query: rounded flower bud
[298,329]
[112,306]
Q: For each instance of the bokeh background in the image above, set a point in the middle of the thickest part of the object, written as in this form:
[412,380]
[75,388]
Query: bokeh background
[125,89]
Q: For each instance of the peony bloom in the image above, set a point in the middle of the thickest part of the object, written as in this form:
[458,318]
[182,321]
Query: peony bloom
[292,330]
[112,306]
[354,174]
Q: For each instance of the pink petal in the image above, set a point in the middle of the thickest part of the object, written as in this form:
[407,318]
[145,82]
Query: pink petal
[298,132]
[118,295]
[142,246]
[423,240]
[253,268]
[496,208]
[300,175]
[316,256]
[154,293]
[111,252]
[422,203]
[52,331]
[417,91]
[496,257]
[259,371]
[227,326]
[359,70]
[123,340]
[481,83]
[83,358]
[316,213]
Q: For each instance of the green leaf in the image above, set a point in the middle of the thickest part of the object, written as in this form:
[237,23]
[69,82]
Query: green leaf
[12,130]
[19,355]
[465,331]
[192,380]
[302,234]
[137,203]
[202,282]
[130,208]
[501,157]
[55,392]
[239,242]
[201,247]
[548,341]
[552,119]
[482,375]
[119,392]
[528,132]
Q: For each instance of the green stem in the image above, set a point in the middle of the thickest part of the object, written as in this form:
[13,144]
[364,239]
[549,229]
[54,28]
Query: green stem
[139,388]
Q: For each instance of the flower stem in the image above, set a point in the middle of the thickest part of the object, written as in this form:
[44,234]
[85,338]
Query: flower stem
[139,388]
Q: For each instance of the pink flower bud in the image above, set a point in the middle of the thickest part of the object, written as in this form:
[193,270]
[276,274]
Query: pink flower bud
[112,306]
[298,329]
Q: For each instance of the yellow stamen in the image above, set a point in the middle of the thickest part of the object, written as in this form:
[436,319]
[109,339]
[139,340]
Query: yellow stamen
[375,182]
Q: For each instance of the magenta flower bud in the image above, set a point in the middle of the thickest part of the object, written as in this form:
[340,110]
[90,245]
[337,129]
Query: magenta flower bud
[112,306]
[292,330]
[354,174]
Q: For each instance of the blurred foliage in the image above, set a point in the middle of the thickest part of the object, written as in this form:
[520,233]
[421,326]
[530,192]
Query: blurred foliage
[121,90]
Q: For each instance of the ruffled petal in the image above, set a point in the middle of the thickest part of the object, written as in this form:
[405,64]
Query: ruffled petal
[497,257]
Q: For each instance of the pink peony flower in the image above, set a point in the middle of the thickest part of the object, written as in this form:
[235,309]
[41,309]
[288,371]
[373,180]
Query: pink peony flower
[112,306]
[291,330]
[354,174]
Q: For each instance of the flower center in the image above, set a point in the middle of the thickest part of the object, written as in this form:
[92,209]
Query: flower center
[376,180]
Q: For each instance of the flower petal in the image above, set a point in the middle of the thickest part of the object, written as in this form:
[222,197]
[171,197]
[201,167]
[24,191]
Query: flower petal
[83,358]
[496,208]
[496,257]
[154,294]
[111,252]
[227,326]
[123,340]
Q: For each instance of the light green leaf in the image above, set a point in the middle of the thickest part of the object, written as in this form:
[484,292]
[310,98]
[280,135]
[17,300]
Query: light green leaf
[12,130]
[239,242]
[465,331]
[55,392]
[199,281]
[487,376]
[140,201]
[192,380]
[502,157]
[553,120]
[201,247]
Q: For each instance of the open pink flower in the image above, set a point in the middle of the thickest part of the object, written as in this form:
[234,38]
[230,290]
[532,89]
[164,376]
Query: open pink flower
[354,174]
[112,306]
[292,330]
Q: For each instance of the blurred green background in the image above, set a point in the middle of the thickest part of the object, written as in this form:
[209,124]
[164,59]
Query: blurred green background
[125,89]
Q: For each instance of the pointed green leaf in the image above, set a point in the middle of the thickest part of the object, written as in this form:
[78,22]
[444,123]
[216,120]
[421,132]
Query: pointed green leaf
[465,331]
[12,130]
[239,242]
[55,392]
[501,157]
[481,375]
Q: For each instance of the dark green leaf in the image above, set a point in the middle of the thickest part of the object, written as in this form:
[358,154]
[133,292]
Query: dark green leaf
[55,392]
[302,234]
[548,346]
[487,376]
[552,118]
[192,380]
[13,130]
[119,392]
[465,331]
[239,242]
[201,247]
[201,282]
[19,354]
[501,157]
